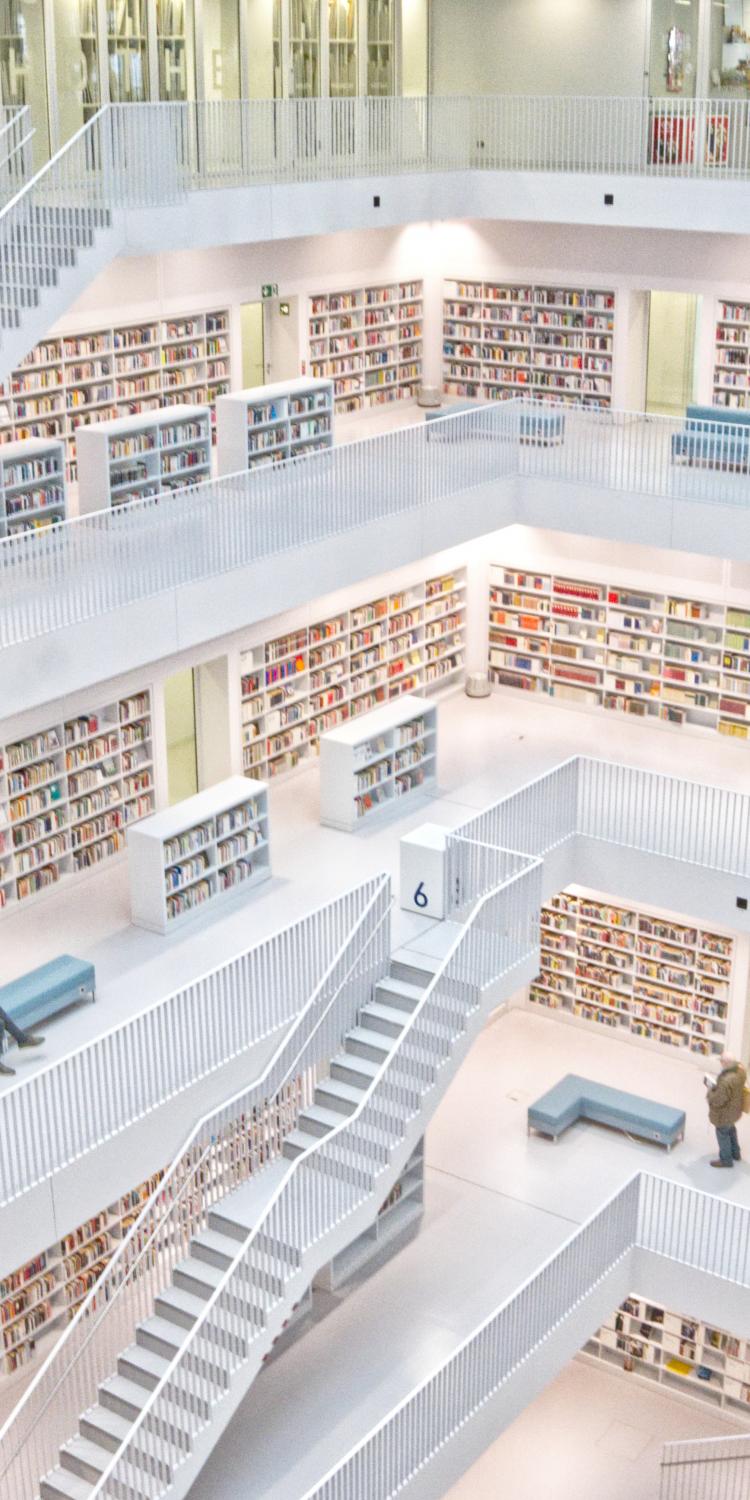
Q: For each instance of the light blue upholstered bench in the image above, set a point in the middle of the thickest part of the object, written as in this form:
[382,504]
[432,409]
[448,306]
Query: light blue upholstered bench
[538,427]
[43,992]
[715,437]
[576,1098]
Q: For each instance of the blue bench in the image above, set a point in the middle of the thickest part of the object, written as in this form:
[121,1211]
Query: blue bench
[538,427]
[36,996]
[715,437]
[576,1098]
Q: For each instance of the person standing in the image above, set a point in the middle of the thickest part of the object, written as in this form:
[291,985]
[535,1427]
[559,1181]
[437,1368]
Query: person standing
[21,1037]
[725,1100]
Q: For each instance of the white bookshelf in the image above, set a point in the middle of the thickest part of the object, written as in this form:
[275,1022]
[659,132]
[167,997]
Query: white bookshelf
[676,659]
[270,423]
[69,791]
[678,1351]
[731,378]
[198,851]
[643,975]
[368,767]
[136,458]
[97,375]
[299,686]
[503,339]
[368,341]
[32,485]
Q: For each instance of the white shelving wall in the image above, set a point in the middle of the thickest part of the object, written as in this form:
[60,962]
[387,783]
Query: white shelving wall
[32,485]
[370,766]
[368,341]
[731,376]
[503,339]
[644,975]
[135,458]
[270,423]
[198,851]
[677,659]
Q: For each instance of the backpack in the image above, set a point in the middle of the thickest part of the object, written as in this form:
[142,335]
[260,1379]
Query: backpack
[746,1100]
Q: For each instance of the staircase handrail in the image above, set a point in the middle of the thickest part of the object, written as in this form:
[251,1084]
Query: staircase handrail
[526,865]
[48,168]
[259,1088]
[704,1468]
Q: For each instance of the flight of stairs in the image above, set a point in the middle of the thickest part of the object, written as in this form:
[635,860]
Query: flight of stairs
[47,254]
[158,1338]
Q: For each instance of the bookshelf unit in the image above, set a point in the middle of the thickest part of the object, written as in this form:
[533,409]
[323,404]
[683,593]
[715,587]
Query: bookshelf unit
[372,765]
[183,859]
[368,341]
[628,649]
[69,382]
[645,976]
[69,791]
[135,458]
[299,686]
[398,1216]
[504,339]
[677,1351]
[731,382]
[270,423]
[32,486]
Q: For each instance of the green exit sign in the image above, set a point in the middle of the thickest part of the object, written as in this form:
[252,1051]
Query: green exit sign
[269,289]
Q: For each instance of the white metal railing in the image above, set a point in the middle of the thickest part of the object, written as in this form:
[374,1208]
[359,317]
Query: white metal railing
[716,1468]
[90,1095]
[87,566]
[224,1148]
[692,1228]
[16,135]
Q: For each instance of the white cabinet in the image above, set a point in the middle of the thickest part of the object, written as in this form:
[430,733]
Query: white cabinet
[382,758]
[197,851]
[270,423]
[136,458]
[422,871]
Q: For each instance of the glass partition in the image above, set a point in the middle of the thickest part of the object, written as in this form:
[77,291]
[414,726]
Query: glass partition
[729,64]
[381,47]
[127,51]
[221,49]
[23,71]
[175,50]
[76,65]
[304,47]
[342,49]
[674,43]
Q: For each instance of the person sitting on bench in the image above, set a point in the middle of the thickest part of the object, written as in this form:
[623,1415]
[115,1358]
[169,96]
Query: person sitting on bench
[23,1038]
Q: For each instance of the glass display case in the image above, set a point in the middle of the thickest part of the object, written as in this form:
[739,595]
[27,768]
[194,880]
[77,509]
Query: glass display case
[342,49]
[23,72]
[127,51]
[381,47]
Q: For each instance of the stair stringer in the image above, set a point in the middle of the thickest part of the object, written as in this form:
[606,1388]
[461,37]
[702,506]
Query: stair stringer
[56,297]
[342,1235]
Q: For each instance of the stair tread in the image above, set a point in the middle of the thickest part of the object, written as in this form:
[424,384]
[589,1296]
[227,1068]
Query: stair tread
[403,986]
[110,1421]
[202,1270]
[69,1484]
[87,1452]
[330,1117]
[126,1390]
[186,1302]
[162,1328]
[347,1091]
[414,958]
[370,1038]
[146,1359]
[247,1204]
[303,1138]
[381,1012]
[213,1239]
[355,1064]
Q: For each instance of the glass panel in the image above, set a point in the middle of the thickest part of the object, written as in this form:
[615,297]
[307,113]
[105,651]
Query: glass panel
[23,71]
[263,26]
[127,51]
[729,68]
[278,66]
[414,24]
[182,749]
[381,26]
[342,45]
[304,27]
[674,40]
[670,372]
[221,49]
[76,65]
[175,44]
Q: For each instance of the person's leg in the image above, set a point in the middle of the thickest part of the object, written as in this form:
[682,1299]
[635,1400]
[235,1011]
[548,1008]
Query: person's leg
[4,1069]
[21,1037]
[736,1153]
[724,1137]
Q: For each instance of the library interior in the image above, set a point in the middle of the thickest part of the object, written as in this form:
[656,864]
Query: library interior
[374,749]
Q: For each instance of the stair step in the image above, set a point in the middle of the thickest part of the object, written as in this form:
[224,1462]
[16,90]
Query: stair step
[198,1276]
[242,1210]
[161,1336]
[389,1019]
[106,1427]
[375,1045]
[61,1484]
[179,1306]
[414,968]
[351,1068]
[213,1247]
[125,1398]
[399,993]
[85,1459]
[318,1120]
[211,1244]
[298,1141]
[338,1096]
[142,1365]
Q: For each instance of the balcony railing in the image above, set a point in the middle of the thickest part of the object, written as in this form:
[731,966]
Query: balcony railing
[86,567]
[715,1468]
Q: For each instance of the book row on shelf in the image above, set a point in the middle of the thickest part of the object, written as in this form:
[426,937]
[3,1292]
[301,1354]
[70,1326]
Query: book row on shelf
[368,341]
[366,767]
[642,974]
[273,423]
[507,339]
[134,458]
[73,380]
[32,486]
[731,376]
[676,1350]
[68,793]
[667,657]
[312,680]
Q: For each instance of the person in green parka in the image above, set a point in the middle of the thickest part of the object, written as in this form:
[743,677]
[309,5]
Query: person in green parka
[725,1101]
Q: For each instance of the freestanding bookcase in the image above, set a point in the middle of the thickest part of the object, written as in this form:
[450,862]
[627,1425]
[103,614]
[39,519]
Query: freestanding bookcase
[32,485]
[201,849]
[380,759]
[269,423]
[135,458]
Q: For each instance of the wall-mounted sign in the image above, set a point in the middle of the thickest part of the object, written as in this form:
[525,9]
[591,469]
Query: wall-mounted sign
[269,289]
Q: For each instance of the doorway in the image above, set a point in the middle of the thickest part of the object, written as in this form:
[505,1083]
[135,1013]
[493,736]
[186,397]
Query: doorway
[253,344]
[670,362]
[198,734]
[281,338]
[181,736]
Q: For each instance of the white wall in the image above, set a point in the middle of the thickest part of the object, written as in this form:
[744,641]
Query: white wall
[538,46]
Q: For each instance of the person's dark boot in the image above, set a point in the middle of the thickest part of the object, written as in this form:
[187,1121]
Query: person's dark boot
[6,1071]
[718,1163]
[32,1041]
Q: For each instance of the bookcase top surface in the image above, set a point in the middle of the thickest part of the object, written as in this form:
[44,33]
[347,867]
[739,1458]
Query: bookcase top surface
[255,395]
[162,417]
[380,720]
[28,447]
[206,804]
